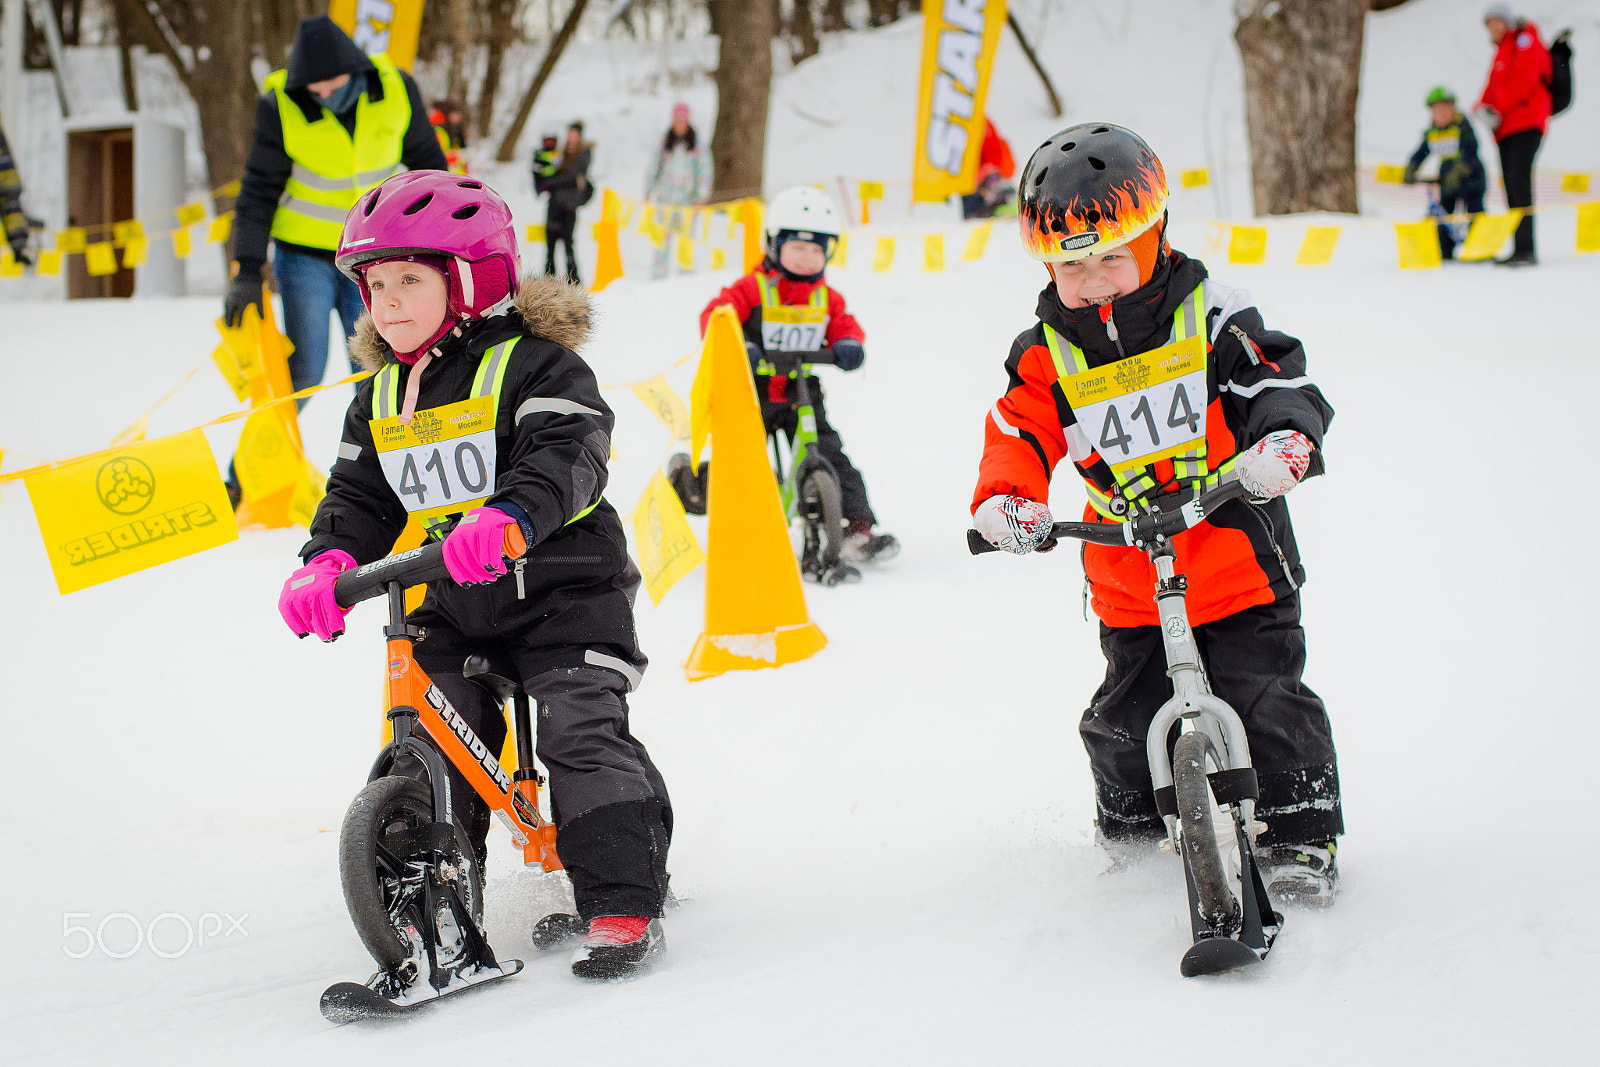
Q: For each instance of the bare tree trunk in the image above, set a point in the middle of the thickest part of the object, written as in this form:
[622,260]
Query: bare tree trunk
[1302,71]
[1038,68]
[744,81]
[833,20]
[502,33]
[508,144]
[802,32]
[461,40]
[130,92]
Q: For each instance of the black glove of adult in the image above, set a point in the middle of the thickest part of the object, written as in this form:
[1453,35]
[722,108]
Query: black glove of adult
[245,291]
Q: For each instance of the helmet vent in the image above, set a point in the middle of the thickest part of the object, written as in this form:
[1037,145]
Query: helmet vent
[470,185]
[419,205]
[1038,179]
[1057,226]
[1097,163]
[1102,129]
[1093,217]
[1068,146]
[464,213]
[372,202]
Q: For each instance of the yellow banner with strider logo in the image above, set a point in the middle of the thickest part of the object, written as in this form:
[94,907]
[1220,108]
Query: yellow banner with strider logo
[111,515]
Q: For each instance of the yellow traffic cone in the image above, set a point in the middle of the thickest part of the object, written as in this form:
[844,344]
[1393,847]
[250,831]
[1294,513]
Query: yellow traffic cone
[608,264]
[755,610]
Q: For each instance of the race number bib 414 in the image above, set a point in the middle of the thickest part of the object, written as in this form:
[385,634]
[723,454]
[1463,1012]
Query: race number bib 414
[793,329]
[1144,408]
[441,462]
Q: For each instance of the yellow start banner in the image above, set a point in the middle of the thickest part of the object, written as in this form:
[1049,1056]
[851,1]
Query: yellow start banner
[108,516]
[390,26]
[959,40]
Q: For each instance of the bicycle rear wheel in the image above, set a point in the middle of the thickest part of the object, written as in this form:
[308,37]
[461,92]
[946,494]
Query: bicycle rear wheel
[1218,906]
[384,861]
[823,514]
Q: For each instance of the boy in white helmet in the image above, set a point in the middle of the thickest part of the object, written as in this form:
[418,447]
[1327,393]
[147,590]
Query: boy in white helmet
[802,229]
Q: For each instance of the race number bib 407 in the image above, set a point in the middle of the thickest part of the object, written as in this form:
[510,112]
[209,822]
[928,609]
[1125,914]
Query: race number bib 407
[1144,408]
[443,461]
[793,329]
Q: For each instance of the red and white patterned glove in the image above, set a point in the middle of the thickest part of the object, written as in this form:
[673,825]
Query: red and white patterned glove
[1275,465]
[1013,523]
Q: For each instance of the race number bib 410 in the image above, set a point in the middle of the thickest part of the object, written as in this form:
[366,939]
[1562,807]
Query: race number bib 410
[793,329]
[1144,408]
[443,461]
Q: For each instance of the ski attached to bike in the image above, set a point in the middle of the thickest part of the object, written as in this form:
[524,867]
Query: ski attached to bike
[378,998]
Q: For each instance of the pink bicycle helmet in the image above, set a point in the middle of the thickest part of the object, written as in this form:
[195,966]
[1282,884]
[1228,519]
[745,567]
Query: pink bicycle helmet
[433,213]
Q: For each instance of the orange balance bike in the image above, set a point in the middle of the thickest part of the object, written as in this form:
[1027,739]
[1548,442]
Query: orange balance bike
[412,882]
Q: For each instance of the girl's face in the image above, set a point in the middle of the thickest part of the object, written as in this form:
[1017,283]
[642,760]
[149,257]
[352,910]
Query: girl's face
[802,257]
[408,302]
[1096,279]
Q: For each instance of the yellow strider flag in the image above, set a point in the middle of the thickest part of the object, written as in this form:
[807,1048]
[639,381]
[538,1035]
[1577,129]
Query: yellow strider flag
[667,406]
[662,540]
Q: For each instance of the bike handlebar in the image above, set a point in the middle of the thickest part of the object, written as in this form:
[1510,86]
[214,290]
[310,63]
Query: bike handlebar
[414,567]
[786,361]
[1154,526]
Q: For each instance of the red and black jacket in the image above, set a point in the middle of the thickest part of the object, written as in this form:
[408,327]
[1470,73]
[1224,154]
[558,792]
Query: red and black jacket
[1255,383]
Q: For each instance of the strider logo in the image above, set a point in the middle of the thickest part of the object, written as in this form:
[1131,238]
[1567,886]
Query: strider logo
[458,726]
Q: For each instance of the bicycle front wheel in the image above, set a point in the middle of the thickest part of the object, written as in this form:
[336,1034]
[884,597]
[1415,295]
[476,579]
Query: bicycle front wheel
[1198,833]
[824,518]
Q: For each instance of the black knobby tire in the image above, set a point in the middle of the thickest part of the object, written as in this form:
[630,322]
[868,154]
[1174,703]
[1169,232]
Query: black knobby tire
[1217,904]
[387,826]
[824,518]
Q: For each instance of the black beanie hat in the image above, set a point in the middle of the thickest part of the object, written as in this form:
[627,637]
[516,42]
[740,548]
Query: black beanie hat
[322,50]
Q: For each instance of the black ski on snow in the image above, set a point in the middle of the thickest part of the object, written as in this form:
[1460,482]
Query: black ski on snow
[347,1002]
[1215,951]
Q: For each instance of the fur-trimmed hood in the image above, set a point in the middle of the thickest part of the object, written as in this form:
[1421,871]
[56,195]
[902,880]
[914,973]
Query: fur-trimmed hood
[550,309]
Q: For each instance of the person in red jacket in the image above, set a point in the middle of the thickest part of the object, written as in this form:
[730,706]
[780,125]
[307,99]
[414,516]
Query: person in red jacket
[802,228]
[1516,105]
[1093,210]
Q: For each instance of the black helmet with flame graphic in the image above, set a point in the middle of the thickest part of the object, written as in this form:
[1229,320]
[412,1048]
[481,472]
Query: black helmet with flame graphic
[1087,190]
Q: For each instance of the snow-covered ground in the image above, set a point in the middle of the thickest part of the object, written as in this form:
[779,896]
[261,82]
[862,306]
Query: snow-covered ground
[885,850]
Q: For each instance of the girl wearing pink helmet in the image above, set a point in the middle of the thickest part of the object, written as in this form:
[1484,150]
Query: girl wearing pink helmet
[436,258]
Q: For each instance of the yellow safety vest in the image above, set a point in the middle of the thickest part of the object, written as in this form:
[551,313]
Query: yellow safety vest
[1135,484]
[330,169]
[770,299]
[488,381]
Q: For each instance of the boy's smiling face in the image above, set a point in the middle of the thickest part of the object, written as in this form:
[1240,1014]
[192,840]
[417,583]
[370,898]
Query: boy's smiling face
[1096,279]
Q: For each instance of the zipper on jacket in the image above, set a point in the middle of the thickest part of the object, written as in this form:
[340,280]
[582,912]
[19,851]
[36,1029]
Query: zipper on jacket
[570,559]
[1272,539]
[522,562]
[1111,329]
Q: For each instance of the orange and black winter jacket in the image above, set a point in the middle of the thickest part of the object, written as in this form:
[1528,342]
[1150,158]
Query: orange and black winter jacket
[1255,383]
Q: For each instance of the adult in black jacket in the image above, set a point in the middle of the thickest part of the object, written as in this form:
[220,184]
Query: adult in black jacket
[300,202]
[569,189]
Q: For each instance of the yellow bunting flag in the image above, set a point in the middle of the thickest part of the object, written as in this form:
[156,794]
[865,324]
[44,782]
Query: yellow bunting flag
[933,252]
[536,233]
[1317,248]
[659,397]
[220,226]
[123,232]
[181,245]
[1488,233]
[1589,227]
[977,240]
[231,372]
[133,253]
[241,348]
[10,266]
[705,226]
[733,221]
[1575,183]
[49,263]
[750,213]
[1418,243]
[307,495]
[652,228]
[268,459]
[871,190]
[232,188]
[608,263]
[610,206]
[75,239]
[883,257]
[719,259]
[100,258]
[1248,244]
[662,540]
[841,251]
[108,516]
[1388,172]
[189,214]
[686,254]
[1193,179]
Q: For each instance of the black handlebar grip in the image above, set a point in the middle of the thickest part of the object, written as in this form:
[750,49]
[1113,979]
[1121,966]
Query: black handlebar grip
[416,567]
[977,545]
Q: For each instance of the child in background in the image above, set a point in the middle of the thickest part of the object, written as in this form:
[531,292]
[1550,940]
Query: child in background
[436,258]
[802,228]
[1448,155]
[1093,210]
[547,157]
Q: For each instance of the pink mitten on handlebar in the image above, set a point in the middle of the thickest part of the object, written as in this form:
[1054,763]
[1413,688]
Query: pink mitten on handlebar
[307,603]
[475,550]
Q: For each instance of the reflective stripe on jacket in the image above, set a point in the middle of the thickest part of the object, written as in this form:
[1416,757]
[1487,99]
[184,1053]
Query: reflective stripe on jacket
[330,167]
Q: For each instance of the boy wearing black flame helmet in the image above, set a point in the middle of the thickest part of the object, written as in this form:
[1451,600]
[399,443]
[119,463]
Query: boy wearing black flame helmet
[1094,211]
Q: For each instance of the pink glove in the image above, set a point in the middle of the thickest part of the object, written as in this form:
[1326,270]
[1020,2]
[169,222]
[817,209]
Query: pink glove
[475,550]
[1013,523]
[307,603]
[1275,465]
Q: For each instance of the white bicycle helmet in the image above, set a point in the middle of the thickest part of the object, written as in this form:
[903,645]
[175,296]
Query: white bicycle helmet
[802,210]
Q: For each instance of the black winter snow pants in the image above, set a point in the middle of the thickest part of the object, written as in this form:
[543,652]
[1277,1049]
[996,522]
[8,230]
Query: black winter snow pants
[559,226]
[1516,171]
[781,416]
[1253,660]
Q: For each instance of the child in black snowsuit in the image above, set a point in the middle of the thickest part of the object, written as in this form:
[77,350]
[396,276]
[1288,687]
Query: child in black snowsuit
[1454,147]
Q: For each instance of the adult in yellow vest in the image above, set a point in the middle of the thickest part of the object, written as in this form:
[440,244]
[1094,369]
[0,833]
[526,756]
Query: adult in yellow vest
[329,127]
